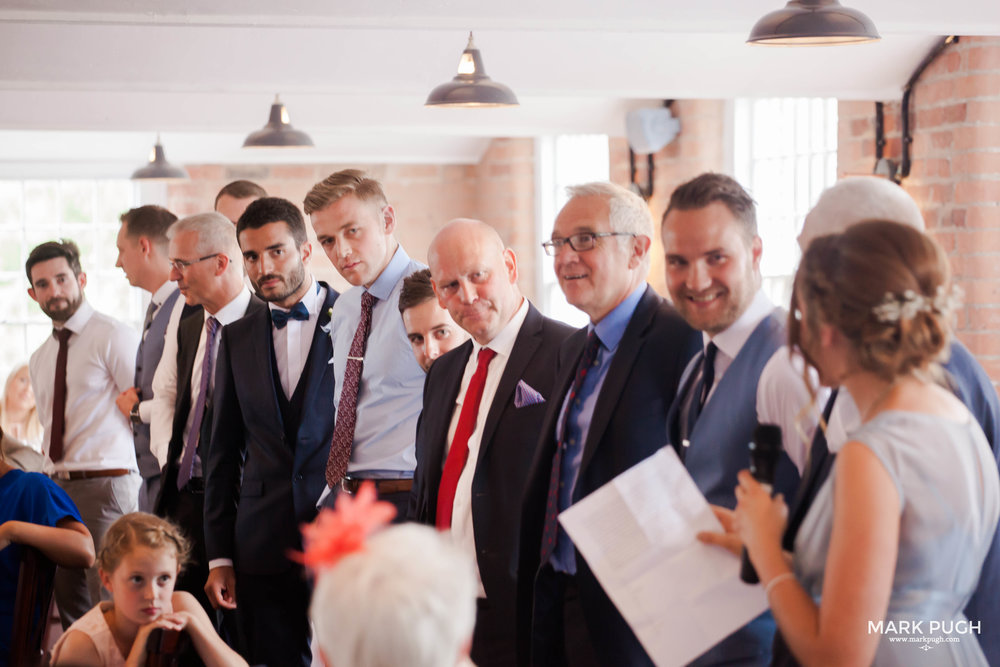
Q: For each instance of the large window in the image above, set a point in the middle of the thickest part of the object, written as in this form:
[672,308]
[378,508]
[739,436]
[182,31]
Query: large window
[85,211]
[563,161]
[785,154]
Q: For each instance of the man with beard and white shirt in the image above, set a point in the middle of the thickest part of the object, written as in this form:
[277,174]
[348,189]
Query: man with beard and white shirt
[271,430]
[77,373]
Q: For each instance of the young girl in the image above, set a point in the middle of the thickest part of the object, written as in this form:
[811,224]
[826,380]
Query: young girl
[139,560]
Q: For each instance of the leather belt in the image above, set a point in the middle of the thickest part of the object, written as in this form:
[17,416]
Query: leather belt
[89,474]
[350,485]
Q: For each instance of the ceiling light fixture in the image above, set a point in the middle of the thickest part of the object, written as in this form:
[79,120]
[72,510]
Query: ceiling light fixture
[158,169]
[278,133]
[813,23]
[471,87]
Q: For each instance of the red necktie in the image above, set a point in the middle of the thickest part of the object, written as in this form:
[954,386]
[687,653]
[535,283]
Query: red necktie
[459,452]
[347,411]
[59,396]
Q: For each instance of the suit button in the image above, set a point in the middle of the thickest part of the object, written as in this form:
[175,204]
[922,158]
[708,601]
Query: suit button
[298,478]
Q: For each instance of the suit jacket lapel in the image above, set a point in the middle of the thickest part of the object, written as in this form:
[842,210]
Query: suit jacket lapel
[525,344]
[437,441]
[621,367]
[320,351]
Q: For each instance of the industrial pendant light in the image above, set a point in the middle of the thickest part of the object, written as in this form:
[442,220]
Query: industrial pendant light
[471,87]
[278,133]
[158,168]
[813,23]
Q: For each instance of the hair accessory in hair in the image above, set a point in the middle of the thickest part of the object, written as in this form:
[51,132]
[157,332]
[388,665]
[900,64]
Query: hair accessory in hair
[905,306]
[342,531]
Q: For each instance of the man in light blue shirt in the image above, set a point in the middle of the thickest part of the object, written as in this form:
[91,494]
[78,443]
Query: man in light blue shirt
[379,385]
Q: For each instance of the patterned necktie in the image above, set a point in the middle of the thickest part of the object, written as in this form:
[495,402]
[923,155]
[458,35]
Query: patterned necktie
[703,387]
[347,411]
[207,362]
[459,452]
[550,530]
[298,312]
[147,322]
[59,396]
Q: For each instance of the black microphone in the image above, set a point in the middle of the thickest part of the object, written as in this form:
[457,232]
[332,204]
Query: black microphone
[764,452]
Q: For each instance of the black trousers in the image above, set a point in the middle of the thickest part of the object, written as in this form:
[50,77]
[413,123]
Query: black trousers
[272,611]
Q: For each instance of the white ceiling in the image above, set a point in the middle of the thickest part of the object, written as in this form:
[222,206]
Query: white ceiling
[92,82]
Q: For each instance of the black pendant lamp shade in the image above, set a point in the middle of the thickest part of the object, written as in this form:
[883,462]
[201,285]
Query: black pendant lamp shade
[278,133]
[158,168]
[813,23]
[471,87]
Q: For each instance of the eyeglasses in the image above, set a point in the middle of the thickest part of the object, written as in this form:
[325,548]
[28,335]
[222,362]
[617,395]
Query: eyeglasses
[579,242]
[181,264]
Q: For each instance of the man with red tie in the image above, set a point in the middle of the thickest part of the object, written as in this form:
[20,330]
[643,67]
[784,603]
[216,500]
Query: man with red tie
[77,373]
[483,408]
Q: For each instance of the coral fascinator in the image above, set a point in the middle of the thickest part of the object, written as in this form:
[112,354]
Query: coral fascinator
[342,531]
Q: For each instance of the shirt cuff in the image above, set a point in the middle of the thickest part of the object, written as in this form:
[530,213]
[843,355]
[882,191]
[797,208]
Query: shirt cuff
[220,562]
[146,411]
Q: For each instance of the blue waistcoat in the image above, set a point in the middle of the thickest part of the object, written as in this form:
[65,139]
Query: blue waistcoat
[719,449]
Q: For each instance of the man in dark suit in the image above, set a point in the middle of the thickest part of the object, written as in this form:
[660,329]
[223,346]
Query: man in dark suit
[216,285]
[483,408]
[271,429]
[616,379]
[142,255]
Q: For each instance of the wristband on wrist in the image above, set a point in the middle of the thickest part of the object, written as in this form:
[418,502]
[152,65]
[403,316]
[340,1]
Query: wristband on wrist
[133,414]
[777,580]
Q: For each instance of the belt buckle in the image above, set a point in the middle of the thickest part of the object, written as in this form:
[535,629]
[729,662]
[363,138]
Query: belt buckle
[346,483]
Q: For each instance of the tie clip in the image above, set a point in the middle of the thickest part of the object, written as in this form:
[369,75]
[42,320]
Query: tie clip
[355,358]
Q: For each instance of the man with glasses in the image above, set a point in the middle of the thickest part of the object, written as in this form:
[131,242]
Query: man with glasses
[616,380]
[206,265]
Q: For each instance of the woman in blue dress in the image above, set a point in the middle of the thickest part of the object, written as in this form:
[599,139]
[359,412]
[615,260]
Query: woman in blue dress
[891,549]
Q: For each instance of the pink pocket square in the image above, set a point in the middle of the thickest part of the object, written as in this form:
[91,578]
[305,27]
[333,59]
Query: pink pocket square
[525,395]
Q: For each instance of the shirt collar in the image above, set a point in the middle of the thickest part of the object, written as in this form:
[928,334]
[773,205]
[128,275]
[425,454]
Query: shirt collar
[731,341]
[612,326]
[504,341]
[161,294]
[391,274]
[310,299]
[79,320]
[233,310]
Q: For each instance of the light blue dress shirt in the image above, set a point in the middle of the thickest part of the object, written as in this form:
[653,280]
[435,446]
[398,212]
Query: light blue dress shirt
[609,331]
[390,394]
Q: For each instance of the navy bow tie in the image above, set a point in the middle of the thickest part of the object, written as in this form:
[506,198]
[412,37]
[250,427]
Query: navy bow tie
[281,317]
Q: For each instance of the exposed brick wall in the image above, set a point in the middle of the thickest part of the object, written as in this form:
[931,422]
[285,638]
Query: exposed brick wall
[499,190]
[955,174]
[699,147]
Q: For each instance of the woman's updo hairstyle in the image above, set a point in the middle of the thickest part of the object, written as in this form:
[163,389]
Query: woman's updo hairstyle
[885,287]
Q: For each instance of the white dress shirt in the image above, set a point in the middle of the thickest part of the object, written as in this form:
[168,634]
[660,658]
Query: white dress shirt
[461,514]
[157,299]
[293,341]
[228,314]
[161,418]
[782,395]
[100,365]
